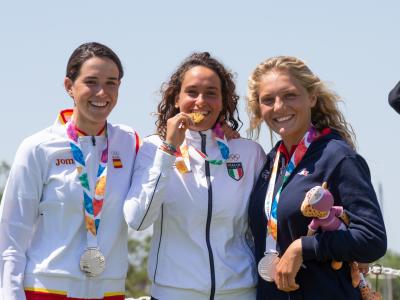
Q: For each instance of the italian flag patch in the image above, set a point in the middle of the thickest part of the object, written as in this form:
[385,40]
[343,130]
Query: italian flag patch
[235,170]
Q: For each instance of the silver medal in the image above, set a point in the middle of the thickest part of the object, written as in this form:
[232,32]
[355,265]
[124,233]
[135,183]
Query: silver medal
[92,262]
[267,266]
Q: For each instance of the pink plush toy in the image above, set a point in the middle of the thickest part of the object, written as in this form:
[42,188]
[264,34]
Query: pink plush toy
[318,204]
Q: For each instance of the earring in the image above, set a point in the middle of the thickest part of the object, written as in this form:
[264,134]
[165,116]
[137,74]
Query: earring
[176,105]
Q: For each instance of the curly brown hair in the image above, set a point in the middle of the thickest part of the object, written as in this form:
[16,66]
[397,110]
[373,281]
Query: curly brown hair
[170,90]
[324,114]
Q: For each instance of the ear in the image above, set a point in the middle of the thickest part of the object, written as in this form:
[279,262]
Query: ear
[177,101]
[68,86]
[313,100]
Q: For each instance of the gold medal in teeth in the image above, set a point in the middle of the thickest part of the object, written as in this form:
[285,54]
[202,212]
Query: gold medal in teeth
[197,117]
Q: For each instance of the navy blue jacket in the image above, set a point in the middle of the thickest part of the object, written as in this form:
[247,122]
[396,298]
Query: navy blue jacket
[394,97]
[328,159]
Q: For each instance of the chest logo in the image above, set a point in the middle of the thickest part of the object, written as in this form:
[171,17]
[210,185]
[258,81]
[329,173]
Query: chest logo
[116,160]
[303,172]
[233,157]
[64,161]
[235,170]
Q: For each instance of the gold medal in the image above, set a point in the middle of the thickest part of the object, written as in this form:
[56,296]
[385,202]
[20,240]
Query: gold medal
[197,117]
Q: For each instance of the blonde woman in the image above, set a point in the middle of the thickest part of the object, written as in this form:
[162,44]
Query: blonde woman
[316,145]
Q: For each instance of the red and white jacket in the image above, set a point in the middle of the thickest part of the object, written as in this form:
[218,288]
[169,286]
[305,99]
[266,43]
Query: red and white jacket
[42,228]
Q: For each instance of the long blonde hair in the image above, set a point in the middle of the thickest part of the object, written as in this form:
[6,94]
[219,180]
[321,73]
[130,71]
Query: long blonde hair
[324,114]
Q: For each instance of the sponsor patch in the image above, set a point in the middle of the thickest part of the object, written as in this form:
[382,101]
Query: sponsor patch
[235,170]
[64,161]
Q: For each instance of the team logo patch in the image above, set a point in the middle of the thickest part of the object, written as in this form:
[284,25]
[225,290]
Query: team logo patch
[303,172]
[235,170]
[116,160]
[234,157]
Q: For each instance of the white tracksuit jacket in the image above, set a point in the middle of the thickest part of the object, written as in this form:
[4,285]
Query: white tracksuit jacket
[200,247]
[42,228]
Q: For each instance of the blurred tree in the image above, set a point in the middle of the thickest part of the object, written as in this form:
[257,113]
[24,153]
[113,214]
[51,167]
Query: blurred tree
[137,284]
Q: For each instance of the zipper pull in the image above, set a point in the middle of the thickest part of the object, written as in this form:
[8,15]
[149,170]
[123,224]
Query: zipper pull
[93,140]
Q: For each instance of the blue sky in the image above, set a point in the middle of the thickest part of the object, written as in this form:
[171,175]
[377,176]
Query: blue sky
[353,45]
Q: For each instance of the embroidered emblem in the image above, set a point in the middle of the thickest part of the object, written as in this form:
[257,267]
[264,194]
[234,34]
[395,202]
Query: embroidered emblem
[303,172]
[233,157]
[235,170]
[116,160]
[64,161]
[265,174]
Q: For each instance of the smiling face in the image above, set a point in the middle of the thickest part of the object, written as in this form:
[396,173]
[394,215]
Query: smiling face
[285,106]
[201,93]
[95,93]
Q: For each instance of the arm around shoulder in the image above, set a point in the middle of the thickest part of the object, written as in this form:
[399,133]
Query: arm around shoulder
[150,177]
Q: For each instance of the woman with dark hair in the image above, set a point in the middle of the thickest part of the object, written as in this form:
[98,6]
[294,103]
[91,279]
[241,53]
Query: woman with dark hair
[194,185]
[62,232]
[317,145]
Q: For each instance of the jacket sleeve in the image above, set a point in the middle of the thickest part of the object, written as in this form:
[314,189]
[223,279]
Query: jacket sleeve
[365,237]
[18,214]
[146,195]
[394,98]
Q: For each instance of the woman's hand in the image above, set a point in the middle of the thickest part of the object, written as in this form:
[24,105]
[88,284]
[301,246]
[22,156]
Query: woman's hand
[176,127]
[288,266]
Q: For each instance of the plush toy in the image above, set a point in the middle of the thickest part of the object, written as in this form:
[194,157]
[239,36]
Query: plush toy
[318,204]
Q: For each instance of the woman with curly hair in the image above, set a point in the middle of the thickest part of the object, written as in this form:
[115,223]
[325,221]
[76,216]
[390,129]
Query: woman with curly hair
[194,185]
[317,145]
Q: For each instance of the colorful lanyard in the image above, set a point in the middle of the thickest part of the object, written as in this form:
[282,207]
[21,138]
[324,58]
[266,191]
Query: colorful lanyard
[92,203]
[182,162]
[271,204]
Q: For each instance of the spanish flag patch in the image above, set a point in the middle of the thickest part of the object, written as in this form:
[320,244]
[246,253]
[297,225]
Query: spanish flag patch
[117,163]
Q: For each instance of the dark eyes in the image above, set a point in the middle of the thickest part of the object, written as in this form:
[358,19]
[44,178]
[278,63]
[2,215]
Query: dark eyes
[90,82]
[267,101]
[194,94]
[95,82]
[290,95]
[271,100]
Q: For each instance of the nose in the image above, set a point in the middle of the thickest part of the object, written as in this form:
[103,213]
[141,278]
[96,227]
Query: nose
[100,90]
[278,104]
[200,98]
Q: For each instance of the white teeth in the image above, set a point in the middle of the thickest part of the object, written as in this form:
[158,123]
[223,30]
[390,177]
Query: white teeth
[204,113]
[282,119]
[98,104]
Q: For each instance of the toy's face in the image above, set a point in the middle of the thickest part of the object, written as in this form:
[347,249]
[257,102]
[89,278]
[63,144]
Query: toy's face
[317,203]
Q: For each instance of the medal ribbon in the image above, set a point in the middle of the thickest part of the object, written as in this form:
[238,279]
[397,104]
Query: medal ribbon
[92,203]
[271,204]
[182,161]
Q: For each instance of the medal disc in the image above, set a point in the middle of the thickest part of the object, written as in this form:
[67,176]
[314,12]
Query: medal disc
[92,262]
[267,266]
